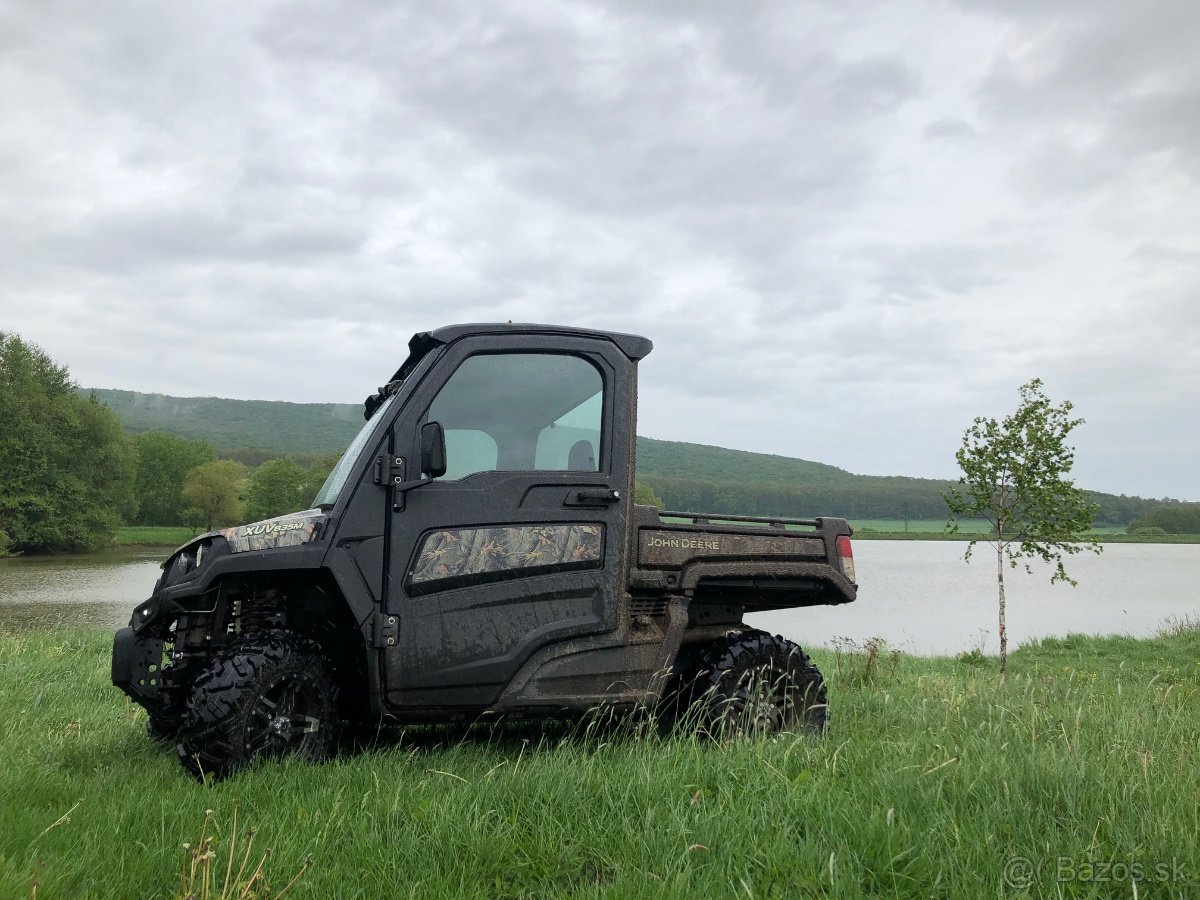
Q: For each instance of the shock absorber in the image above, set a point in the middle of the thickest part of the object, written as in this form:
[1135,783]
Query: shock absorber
[260,611]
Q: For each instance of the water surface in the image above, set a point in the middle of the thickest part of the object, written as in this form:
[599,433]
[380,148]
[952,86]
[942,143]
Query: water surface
[918,595]
[87,591]
[921,597]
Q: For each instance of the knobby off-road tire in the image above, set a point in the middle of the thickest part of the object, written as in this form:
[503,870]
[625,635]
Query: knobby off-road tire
[752,682]
[267,697]
[163,729]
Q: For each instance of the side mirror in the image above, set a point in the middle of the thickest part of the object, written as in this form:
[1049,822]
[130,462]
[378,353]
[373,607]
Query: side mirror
[433,450]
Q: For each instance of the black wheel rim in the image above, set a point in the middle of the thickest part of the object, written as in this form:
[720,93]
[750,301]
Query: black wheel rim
[284,718]
[761,705]
[757,703]
[767,708]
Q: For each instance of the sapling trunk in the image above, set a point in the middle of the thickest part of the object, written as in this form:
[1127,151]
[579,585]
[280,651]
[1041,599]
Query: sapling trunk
[1003,630]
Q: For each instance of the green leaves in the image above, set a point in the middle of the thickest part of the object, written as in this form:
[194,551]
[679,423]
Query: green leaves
[281,486]
[214,491]
[66,467]
[163,462]
[643,493]
[1014,476]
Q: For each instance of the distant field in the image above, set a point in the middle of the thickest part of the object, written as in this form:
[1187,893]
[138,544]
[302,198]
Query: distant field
[925,526]
[915,526]
[154,535]
[931,527]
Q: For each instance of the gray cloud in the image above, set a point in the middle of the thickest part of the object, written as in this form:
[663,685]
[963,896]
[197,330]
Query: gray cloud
[1106,85]
[949,128]
[875,85]
[848,227]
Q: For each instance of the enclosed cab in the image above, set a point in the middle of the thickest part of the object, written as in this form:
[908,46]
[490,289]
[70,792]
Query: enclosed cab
[476,552]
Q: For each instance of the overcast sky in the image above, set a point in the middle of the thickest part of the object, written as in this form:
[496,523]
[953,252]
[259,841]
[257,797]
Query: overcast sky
[849,227]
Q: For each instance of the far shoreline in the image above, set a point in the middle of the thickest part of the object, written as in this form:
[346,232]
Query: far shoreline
[869,535]
[175,536]
[133,537]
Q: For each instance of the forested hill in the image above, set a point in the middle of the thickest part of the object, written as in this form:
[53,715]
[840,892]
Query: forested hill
[675,459]
[309,428]
[299,428]
[685,476]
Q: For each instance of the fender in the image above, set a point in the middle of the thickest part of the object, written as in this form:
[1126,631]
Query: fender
[179,594]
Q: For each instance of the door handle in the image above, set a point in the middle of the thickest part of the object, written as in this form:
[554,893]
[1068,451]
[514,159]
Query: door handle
[592,498]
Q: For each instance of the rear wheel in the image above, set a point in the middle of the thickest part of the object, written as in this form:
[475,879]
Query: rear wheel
[752,682]
[266,698]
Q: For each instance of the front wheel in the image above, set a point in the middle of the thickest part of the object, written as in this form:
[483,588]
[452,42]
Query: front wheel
[164,721]
[752,682]
[266,698]
[162,728]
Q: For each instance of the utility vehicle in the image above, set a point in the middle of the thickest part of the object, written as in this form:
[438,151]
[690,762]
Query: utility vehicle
[477,552]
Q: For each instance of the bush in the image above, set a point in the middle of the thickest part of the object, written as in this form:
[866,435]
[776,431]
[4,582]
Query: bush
[643,493]
[868,663]
[973,659]
[1178,625]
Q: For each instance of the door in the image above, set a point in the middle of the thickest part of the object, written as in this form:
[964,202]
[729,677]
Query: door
[520,543]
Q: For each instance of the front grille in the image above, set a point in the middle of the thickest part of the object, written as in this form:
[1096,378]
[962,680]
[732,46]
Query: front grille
[648,606]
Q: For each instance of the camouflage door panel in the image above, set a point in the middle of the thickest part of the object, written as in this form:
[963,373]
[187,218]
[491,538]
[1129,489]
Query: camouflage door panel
[471,555]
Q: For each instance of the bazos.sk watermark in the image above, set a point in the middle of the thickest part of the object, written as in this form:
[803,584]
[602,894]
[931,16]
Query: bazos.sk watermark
[1021,871]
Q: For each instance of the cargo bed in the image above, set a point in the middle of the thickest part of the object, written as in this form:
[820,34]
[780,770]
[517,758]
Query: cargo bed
[755,562]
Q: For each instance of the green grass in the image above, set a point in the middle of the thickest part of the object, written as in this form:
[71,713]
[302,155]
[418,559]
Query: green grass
[932,777]
[154,535]
[935,529]
[915,526]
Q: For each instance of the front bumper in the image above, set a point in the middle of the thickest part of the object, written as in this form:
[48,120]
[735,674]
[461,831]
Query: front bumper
[137,667]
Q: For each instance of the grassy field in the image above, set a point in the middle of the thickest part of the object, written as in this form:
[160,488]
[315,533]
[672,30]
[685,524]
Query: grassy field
[933,781]
[154,535]
[914,526]
[935,529]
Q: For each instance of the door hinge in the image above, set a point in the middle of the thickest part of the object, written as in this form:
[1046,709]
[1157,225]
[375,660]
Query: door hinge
[385,630]
[389,470]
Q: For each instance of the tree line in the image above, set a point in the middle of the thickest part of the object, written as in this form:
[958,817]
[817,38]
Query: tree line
[70,475]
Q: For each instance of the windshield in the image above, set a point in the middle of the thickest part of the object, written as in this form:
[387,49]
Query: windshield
[328,494]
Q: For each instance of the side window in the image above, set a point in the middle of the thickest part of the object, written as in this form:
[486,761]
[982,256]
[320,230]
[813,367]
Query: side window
[520,412]
[467,451]
[571,441]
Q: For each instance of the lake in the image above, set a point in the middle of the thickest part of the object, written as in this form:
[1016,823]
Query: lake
[917,595]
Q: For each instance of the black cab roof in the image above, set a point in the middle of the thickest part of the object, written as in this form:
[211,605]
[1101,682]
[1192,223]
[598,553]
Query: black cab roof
[632,345]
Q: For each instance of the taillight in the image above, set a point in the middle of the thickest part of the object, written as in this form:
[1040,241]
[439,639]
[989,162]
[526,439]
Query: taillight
[846,555]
